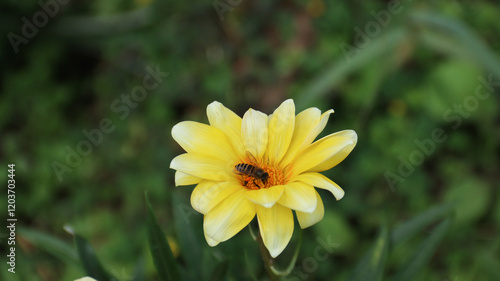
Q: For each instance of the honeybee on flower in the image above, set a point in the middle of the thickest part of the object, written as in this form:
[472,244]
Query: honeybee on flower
[259,165]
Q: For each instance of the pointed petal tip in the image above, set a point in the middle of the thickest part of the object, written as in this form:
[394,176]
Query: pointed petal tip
[276,227]
[275,252]
[337,191]
[173,164]
[178,128]
[211,242]
[215,103]
[287,105]
[354,136]
[213,106]
[340,195]
[173,132]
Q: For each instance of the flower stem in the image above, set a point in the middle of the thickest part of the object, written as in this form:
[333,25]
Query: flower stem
[267,259]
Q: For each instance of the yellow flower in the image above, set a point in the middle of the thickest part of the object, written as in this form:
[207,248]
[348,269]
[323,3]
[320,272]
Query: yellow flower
[279,168]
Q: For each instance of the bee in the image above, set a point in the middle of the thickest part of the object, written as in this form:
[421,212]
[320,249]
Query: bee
[252,169]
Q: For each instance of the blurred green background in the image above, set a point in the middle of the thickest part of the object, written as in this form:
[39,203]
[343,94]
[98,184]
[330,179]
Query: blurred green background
[393,71]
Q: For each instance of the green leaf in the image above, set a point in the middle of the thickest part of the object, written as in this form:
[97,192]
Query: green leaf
[188,241]
[384,45]
[409,229]
[423,253]
[367,91]
[160,250]
[463,40]
[371,267]
[58,248]
[89,260]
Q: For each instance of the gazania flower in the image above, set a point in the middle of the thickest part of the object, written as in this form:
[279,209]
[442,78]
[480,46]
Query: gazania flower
[259,165]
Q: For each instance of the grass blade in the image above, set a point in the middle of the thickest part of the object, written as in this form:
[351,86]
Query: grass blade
[409,229]
[189,241]
[423,253]
[381,46]
[89,260]
[160,250]
[371,267]
[463,37]
[57,247]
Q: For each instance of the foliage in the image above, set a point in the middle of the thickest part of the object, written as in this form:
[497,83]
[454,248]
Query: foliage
[427,135]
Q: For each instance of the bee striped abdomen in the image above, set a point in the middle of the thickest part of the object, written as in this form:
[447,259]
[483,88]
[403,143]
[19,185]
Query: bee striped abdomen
[245,168]
[252,171]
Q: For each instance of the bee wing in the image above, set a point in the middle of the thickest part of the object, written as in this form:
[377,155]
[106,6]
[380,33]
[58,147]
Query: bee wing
[251,158]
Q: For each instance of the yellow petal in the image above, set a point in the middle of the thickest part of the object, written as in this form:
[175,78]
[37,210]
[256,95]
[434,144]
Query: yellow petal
[185,179]
[308,125]
[276,227]
[207,194]
[281,124]
[324,153]
[229,217]
[265,196]
[308,219]
[224,119]
[319,127]
[299,196]
[254,132]
[200,138]
[203,166]
[304,122]
[320,181]
[338,157]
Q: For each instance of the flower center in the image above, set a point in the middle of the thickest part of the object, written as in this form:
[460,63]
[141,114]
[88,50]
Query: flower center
[265,177]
